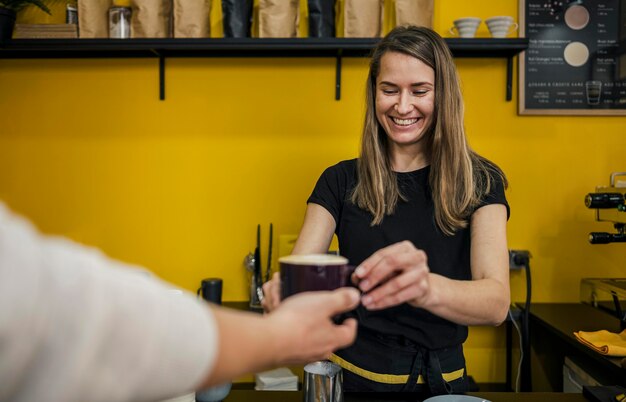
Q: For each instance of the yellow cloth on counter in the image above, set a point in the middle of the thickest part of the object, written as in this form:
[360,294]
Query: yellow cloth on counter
[604,342]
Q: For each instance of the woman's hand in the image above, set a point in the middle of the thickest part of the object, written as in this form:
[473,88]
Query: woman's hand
[394,275]
[271,293]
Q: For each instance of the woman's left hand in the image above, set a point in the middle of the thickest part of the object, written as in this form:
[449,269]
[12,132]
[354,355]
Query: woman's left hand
[394,275]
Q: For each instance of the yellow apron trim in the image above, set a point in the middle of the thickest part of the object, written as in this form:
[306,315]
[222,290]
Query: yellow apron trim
[455,375]
[390,378]
[370,375]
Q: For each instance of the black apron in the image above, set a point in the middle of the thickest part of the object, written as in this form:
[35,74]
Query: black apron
[389,363]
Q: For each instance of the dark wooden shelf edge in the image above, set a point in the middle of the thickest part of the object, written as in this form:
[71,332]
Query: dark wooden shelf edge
[243,47]
[236,47]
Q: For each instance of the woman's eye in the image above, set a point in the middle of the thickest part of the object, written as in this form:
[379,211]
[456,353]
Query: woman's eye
[389,91]
[420,92]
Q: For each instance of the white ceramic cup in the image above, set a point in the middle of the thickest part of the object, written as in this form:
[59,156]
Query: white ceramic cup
[465,27]
[501,26]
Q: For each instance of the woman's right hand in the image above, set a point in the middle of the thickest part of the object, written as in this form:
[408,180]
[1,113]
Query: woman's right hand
[271,293]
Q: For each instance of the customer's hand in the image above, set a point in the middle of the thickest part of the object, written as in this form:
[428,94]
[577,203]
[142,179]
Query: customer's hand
[300,330]
[304,325]
[394,275]
[271,293]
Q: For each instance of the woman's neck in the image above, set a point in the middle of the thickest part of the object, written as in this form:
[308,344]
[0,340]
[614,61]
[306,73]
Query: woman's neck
[408,159]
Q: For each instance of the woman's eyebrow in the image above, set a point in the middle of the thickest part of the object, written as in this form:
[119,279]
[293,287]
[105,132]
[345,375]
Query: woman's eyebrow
[415,84]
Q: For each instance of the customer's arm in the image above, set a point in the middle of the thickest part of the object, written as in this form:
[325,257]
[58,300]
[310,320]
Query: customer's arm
[76,325]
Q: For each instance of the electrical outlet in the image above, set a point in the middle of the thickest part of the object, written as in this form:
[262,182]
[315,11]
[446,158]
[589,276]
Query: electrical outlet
[519,259]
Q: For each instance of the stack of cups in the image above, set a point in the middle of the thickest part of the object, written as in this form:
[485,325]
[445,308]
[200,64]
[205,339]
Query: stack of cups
[500,27]
[465,27]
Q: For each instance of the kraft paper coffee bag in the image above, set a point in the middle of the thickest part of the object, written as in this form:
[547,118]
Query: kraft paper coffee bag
[279,18]
[414,12]
[237,18]
[151,19]
[363,18]
[93,18]
[192,18]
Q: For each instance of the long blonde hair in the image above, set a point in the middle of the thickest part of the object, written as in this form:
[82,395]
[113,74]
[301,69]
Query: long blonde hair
[459,178]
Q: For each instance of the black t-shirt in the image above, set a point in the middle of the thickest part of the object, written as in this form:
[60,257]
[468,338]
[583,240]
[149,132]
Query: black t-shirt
[413,220]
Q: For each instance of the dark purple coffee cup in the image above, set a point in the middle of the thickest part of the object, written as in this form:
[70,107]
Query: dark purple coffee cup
[310,272]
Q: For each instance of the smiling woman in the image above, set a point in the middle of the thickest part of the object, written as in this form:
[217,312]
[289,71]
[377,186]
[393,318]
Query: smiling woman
[405,100]
[423,217]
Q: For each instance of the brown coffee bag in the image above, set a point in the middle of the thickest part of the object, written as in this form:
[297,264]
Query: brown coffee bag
[414,12]
[192,18]
[279,18]
[151,19]
[93,18]
[363,18]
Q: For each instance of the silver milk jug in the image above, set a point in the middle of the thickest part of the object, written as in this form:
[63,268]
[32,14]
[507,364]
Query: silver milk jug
[323,382]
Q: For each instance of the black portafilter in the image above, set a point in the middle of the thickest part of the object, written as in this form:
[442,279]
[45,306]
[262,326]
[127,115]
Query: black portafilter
[606,238]
[604,200]
[211,290]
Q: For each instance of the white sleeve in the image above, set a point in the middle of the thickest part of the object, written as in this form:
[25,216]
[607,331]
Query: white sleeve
[77,326]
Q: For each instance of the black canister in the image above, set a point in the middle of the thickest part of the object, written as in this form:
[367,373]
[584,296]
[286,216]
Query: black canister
[211,290]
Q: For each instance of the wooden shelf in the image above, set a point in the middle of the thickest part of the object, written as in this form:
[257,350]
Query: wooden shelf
[243,47]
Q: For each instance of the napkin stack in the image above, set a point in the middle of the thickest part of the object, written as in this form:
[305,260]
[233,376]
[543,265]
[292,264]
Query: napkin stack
[604,342]
[280,379]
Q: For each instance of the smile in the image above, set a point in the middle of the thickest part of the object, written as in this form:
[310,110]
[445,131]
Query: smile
[404,122]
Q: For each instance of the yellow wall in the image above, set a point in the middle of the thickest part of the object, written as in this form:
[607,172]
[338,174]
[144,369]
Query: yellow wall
[87,150]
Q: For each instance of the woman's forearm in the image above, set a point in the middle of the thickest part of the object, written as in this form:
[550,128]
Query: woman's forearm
[474,302]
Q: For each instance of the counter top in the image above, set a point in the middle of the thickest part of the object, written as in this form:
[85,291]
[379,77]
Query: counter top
[563,319]
[296,396]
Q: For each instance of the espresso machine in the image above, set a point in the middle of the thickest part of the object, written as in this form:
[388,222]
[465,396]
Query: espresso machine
[608,294]
[610,205]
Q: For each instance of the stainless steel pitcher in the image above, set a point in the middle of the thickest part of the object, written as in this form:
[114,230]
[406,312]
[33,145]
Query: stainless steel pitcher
[323,382]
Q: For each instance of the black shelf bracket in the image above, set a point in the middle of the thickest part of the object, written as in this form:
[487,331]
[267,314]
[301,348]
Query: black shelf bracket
[509,78]
[338,76]
[161,72]
[161,78]
[246,47]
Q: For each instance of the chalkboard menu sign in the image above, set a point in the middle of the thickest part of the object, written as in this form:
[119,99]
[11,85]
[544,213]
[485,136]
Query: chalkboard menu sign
[576,59]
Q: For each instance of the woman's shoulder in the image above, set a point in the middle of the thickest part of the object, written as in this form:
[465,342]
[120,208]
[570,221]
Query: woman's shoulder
[343,168]
[491,184]
[348,164]
[488,172]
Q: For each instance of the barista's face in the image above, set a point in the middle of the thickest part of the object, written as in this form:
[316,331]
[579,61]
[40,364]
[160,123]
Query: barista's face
[405,98]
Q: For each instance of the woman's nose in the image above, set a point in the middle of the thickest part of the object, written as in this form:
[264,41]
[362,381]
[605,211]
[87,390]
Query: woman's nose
[404,105]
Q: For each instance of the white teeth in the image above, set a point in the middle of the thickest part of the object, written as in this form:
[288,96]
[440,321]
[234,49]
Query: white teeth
[403,122]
